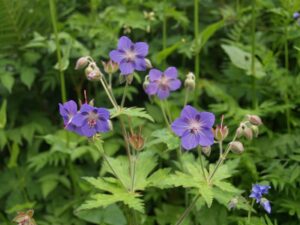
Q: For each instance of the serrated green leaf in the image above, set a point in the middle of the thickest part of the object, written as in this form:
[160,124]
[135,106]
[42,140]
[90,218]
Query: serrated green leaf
[28,75]
[132,112]
[159,179]
[206,192]
[164,136]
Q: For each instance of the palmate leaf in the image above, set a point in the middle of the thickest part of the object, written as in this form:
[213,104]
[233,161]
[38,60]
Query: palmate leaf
[132,112]
[116,194]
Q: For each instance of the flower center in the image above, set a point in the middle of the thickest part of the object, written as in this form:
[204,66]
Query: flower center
[195,126]
[130,55]
[92,119]
[164,82]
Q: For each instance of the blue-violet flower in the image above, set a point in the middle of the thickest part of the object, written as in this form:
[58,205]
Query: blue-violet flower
[161,83]
[68,110]
[130,56]
[92,120]
[257,193]
[194,128]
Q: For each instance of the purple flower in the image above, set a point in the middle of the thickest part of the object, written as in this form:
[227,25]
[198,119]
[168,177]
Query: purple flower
[161,83]
[194,128]
[68,110]
[92,120]
[130,56]
[258,191]
[296,15]
[266,205]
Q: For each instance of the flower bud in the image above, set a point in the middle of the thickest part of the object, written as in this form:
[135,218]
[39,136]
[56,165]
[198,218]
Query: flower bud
[146,82]
[206,150]
[81,63]
[240,132]
[255,130]
[92,73]
[248,133]
[254,120]
[233,203]
[110,67]
[110,125]
[189,82]
[221,132]
[236,147]
[148,64]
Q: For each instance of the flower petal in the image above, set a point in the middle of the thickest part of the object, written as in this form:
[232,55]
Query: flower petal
[189,112]
[116,56]
[151,89]
[140,64]
[126,68]
[206,138]
[154,74]
[162,93]
[179,126]
[189,141]
[141,48]
[207,119]
[171,72]
[78,120]
[102,126]
[174,84]
[103,113]
[86,108]
[88,131]
[124,43]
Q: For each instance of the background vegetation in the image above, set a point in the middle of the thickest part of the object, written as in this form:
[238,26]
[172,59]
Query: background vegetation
[40,169]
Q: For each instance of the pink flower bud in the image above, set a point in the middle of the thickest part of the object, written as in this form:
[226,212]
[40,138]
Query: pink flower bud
[148,64]
[255,120]
[236,147]
[248,133]
[189,82]
[81,63]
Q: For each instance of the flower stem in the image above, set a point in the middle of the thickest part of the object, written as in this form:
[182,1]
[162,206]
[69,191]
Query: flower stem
[253,45]
[186,97]
[108,94]
[221,148]
[201,162]
[286,97]
[250,211]
[124,94]
[188,210]
[219,163]
[58,50]
[164,114]
[197,56]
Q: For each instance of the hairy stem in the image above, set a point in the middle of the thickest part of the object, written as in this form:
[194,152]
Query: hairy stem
[124,94]
[250,211]
[188,210]
[58,50]
[253,45]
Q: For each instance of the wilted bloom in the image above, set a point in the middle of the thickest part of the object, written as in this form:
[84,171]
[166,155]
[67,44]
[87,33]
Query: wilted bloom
[130,56]
[296,15]
[68,110]
[161,83]
[258,191]
[189,82]
[25,218]
[136,140]
[92,120]
[194,128]
[110,67]
[265,204]
[236,147]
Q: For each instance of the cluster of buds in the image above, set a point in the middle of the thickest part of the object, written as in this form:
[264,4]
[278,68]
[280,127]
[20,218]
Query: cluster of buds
[149,16]
[92,71]
[249,127]
[25,218]
[221,131]
[189,82]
